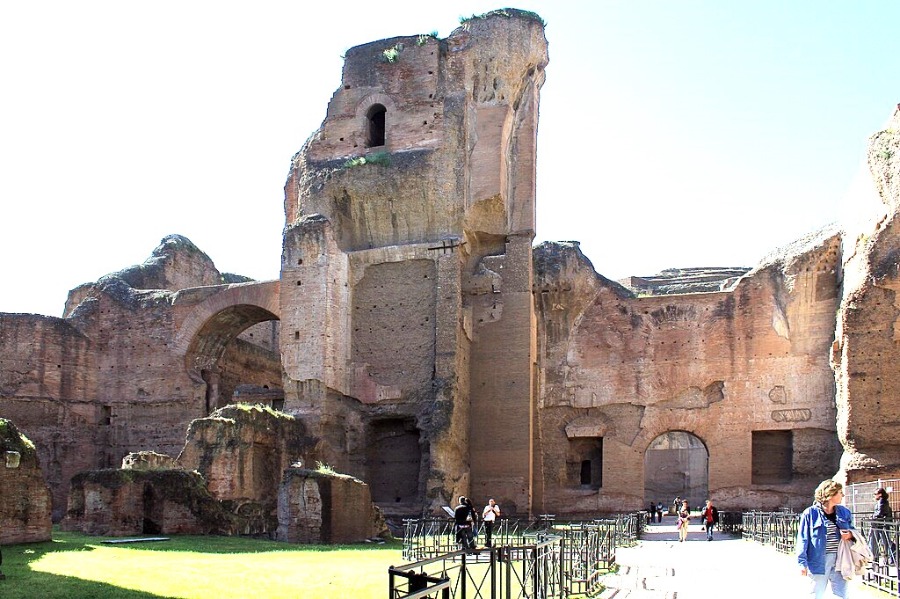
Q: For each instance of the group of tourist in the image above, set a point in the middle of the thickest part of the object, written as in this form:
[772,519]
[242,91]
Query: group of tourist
[465,521]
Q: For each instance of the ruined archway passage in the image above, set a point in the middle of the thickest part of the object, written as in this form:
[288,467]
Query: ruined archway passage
[676,464]
[234,368]
[209,344]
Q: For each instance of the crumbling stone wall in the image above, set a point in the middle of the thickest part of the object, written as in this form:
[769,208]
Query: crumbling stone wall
[24,495]
[865,352]
[448,189]
[317,507]
[133,502]
[241,451]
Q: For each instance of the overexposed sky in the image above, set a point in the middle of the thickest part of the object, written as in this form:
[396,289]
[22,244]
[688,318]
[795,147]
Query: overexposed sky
[672,134]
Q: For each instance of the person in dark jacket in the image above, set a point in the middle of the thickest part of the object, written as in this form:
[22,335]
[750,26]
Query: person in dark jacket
[880,543]
[464,519]
[822,527]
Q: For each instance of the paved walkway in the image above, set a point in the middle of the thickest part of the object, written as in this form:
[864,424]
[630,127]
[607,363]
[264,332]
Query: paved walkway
[660,567]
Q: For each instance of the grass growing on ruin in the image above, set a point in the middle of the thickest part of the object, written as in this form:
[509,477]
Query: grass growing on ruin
[76,566]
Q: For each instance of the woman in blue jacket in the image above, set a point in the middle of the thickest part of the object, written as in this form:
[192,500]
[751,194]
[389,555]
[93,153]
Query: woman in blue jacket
[822,526]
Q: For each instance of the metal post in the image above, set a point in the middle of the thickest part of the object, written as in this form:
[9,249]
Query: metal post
[493,567]
[462,577]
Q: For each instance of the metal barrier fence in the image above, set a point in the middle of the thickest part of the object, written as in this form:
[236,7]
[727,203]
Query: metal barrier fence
[883,538]
[525,572]
[540,559]
[778,529]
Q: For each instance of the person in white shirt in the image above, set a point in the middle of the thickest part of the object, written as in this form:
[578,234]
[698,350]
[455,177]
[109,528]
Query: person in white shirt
[489,516]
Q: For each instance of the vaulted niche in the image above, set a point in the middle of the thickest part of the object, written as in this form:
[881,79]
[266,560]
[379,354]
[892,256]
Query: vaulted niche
[393,462]
[375,121]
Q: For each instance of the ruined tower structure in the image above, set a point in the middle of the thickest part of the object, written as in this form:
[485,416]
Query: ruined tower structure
[407,270]
[428,349]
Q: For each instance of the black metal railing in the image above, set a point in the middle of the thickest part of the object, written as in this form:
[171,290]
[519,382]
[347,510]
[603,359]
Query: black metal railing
[883,538]
[525,572]
[540,558]
[778,529]
[731,522]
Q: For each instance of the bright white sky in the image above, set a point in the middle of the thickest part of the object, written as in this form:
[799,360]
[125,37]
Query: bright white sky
[672,134]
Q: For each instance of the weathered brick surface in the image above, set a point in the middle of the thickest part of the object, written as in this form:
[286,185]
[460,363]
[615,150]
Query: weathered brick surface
[718,365]
[133,502]
[24,495]
[241,452]
[315,507]
[865,352]
[426,347]
[110,378]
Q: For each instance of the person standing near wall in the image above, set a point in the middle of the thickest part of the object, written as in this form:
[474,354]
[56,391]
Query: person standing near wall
[659,512]
[822,527]
[488,516]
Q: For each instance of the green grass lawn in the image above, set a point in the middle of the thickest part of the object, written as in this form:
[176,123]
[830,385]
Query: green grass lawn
[76,566]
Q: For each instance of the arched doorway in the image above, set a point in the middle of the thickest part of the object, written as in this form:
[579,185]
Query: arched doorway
[676,464]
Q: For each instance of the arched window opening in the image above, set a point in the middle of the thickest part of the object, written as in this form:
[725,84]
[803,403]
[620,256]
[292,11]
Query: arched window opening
[375,118]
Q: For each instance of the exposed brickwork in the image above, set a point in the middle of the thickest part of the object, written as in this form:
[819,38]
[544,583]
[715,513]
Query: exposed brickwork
[420,336]
[24,496]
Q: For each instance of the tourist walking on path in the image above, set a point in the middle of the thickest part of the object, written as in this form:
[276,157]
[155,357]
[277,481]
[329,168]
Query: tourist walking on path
[822,527]
[488,516]
[684,517]
[709,517]
[879,539]
[659,511]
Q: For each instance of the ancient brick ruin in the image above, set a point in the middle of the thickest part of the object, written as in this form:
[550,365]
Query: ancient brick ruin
[428,349]
[24,495]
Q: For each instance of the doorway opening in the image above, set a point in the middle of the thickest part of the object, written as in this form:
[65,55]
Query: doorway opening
[676,464]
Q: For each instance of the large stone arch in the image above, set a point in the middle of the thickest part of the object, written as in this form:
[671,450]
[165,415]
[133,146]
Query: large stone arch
[214,322]
[211,328]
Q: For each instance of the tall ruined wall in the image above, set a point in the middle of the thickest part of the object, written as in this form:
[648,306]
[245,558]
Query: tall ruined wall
[412,198]
[866,350]
[717,365]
